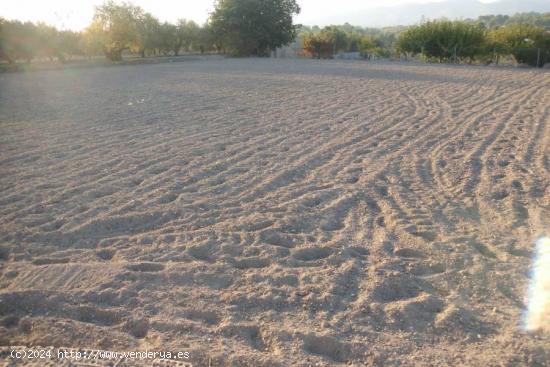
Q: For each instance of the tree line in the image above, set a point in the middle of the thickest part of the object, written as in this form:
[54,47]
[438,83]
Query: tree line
[439,40]
[463,41]
[114,29]
[238,27]
[257,27]
[330,40]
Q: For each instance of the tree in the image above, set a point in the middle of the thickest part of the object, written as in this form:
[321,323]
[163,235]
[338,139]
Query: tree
[254,27]
[353,41]
[313,43]
[205,39]
[68,43]
[443,40]
[119,26]
[522,41]
[412,41]
[148,29]
[369,46]
[187,34]
[328,41]
[18,40]
[336,37]
[168,39]
[92,40]
[320,45]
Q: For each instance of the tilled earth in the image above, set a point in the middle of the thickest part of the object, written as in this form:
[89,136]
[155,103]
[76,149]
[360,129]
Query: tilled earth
[275,212]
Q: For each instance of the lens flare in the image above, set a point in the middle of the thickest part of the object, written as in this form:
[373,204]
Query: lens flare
[537,315]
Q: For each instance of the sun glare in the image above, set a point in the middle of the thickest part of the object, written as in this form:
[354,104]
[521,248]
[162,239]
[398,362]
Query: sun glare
[538,306]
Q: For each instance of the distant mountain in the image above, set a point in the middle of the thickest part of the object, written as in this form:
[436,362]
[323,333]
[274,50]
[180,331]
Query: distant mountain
[452,9]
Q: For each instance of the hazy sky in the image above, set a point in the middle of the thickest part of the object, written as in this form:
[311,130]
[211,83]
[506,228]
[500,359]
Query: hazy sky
[77,14]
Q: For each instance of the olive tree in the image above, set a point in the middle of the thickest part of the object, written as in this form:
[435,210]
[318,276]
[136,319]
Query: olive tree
[148,30]
[119,26]
[18,41]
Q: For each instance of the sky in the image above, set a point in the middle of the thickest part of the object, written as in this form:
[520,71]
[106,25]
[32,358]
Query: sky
[77,14]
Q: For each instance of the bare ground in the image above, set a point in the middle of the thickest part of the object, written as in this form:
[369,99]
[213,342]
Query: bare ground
[275,212]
